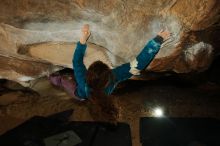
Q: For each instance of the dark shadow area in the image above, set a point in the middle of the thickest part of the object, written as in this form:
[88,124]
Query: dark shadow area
[213,72]
[179,132]
[56,130]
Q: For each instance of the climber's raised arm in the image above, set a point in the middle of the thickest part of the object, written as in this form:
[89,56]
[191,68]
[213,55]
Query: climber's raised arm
[125,71]
[78,65]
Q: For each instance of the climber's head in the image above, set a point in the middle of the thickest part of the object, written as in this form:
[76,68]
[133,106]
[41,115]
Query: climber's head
[98,75]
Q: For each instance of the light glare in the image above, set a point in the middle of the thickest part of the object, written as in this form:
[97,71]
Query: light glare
[158,112]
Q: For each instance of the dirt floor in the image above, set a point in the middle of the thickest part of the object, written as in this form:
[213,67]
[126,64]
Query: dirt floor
[135,99]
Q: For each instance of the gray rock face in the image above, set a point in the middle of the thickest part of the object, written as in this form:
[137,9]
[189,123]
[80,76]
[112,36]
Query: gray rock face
[43,33]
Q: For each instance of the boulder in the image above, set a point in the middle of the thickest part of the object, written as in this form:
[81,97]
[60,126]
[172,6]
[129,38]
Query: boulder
[38,37]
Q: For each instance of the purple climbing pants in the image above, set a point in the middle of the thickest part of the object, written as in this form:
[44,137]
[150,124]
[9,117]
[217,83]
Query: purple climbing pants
[67,83]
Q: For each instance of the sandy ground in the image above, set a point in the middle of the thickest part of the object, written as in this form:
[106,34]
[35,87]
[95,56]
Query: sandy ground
[135,98]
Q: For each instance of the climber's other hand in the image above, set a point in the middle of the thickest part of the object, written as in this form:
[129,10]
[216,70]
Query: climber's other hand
[165,34]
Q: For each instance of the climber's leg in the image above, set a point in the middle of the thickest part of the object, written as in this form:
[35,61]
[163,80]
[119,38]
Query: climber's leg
[69,85]
[66,82]
[55,80]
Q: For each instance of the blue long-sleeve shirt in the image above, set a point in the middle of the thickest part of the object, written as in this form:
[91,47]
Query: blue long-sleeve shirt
[121,73]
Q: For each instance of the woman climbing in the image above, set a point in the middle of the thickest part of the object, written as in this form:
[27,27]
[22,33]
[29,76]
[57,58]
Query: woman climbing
[99,77]
[99,81]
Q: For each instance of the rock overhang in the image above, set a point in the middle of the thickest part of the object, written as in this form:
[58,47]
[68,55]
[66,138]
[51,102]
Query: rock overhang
[119,31]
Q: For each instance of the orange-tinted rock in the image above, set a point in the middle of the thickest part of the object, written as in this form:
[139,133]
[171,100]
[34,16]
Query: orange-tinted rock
[121,27]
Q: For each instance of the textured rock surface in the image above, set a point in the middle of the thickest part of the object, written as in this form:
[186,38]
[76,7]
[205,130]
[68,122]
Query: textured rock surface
[38,37]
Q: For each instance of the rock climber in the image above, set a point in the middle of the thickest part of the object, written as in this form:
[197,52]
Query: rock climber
[99,79]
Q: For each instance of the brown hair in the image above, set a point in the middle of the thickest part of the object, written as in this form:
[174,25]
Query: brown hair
[102,107]
[98,75]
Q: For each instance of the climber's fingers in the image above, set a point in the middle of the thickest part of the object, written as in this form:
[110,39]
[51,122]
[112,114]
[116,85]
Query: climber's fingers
[164,33]
[161,30]
[85,29]
[85,34]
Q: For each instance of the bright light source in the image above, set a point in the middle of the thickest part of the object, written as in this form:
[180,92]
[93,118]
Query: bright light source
[158,112]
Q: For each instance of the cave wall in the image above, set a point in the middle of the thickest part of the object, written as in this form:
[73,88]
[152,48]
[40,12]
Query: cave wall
[42,34]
